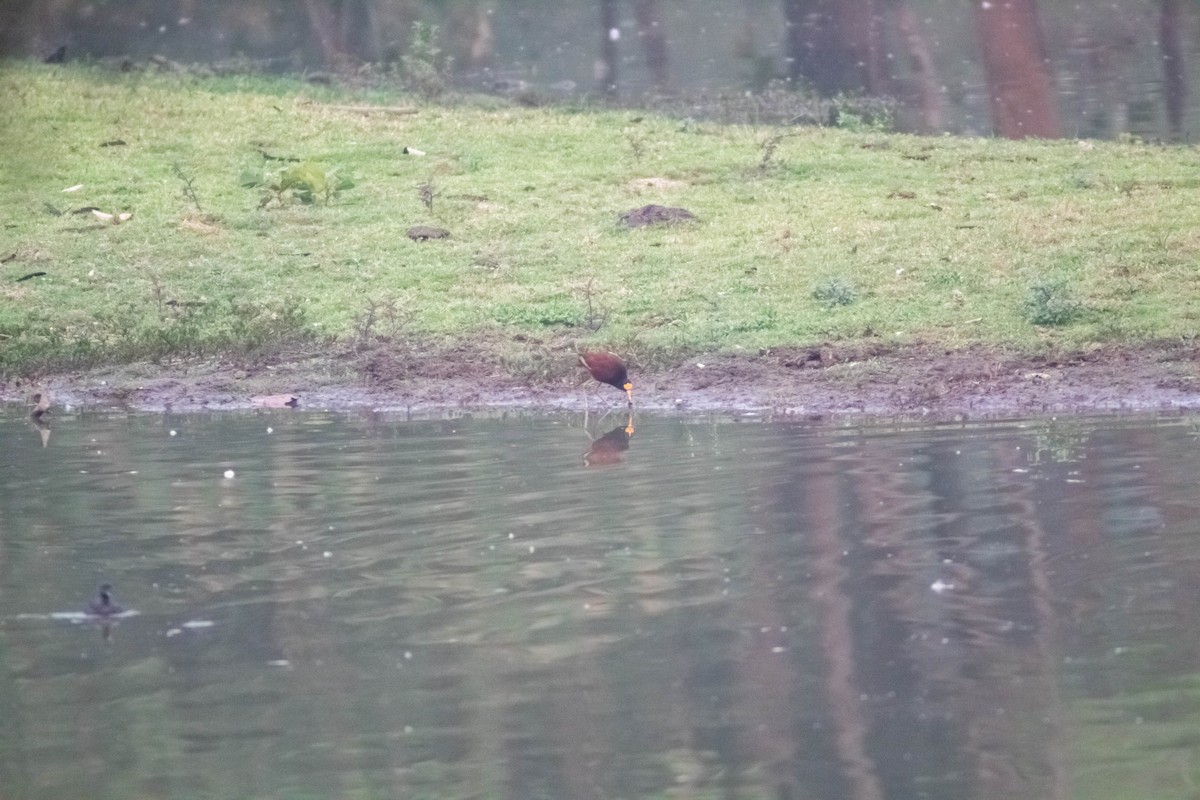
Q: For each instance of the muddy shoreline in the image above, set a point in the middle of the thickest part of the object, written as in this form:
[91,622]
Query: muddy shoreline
[860,380]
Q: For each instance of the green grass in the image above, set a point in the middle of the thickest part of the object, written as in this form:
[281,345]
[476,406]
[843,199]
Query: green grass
[940,238]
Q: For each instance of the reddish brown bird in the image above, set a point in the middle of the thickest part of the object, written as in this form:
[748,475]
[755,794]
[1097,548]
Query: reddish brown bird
[608,368]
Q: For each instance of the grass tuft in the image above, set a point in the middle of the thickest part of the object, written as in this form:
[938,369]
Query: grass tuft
[1052,302]
[835,292]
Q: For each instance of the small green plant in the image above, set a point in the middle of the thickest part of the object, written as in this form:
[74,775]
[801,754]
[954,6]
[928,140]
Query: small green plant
[189,188]
[637,144]
[594,318]
[426,192]
[768,147]
[306,182]
[835,292]
[381,321]
[557,311]
[858,116]
[1052,302]
[424,69]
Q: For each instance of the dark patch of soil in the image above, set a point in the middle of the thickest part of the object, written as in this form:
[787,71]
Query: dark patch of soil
[656,215]
[423,233]
[859,379]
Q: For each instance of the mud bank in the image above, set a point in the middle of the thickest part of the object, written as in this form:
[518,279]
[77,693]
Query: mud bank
[910,380]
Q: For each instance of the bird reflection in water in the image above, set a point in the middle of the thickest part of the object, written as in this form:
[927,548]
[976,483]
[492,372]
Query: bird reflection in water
[610,448]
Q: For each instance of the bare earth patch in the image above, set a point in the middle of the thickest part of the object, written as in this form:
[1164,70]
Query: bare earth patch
[855,380]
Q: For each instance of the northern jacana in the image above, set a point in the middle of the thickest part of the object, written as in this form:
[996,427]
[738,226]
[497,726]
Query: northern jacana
[103,605]
[608,368]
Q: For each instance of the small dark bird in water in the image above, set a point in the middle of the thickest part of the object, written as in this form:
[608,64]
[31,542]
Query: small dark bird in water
[103,605]
[608,368]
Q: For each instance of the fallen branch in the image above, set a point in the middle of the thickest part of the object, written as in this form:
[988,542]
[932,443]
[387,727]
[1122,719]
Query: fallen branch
[394,110]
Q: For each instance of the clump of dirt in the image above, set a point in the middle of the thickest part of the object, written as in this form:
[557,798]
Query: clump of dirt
[832,379]
[424,233]
[656,215]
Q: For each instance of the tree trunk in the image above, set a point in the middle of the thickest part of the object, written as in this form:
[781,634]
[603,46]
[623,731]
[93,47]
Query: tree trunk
[28,27]
[358,33]
[606,66]
[483,43]
[324,23]
[837,45]
[1017,69]
[1174,75]
[812,45]
[652,30]
[928,93]
[859,30]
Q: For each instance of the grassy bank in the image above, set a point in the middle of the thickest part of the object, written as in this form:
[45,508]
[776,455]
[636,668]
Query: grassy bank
[804,235]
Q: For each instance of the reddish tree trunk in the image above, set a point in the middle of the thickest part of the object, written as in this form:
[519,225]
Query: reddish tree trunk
[652,30]
[1017,69]
[1174,77]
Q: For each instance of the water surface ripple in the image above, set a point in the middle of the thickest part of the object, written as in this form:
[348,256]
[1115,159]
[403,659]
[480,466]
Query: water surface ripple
[360,606]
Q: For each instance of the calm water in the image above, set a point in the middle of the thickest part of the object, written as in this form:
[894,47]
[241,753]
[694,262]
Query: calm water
[374,608]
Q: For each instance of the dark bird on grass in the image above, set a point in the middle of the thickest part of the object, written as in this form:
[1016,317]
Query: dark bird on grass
[59,56]
[103,605]
[608,368]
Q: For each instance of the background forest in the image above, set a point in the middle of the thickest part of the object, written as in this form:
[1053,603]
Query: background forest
[1014,68]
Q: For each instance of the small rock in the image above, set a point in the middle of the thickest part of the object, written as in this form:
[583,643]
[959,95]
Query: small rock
[275,401]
